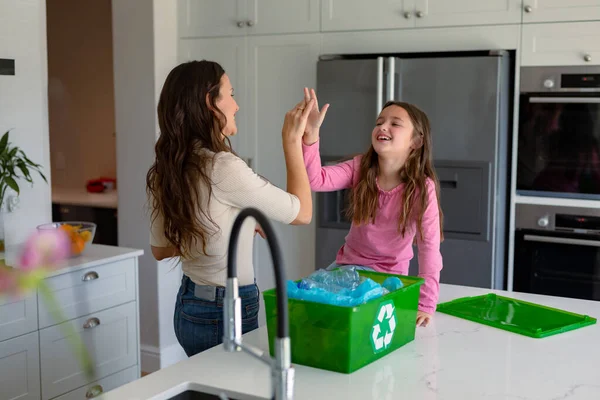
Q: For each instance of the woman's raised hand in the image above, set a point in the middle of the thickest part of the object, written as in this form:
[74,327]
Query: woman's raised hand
[294,123]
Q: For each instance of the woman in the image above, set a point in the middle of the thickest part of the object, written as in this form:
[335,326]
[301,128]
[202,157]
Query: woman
[197,186]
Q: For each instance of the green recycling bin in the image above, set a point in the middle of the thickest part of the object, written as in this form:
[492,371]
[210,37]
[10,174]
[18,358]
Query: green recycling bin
[345,339]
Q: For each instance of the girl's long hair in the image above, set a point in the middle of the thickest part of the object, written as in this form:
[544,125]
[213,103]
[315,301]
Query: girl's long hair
[417,168]
[187,126]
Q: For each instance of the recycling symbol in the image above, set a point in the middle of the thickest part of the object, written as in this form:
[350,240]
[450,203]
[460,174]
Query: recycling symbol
[383,327]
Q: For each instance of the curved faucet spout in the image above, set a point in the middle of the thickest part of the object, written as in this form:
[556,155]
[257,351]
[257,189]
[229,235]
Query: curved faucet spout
[280,281]
[282,371]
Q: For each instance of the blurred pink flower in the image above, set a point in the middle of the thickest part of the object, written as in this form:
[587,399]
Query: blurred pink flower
[8,281]
[45,249]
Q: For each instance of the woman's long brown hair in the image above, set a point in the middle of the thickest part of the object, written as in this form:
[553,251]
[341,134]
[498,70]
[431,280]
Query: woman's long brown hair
[187,125]
[417,168]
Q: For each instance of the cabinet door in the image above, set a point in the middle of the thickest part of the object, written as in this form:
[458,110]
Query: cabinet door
[560,10]
[279,67]
[86,291]
[207,18]
[231,53]
[18,316]
[20,368]
[99,387]
[467,12]
[572,43]
[352,15]
[109,335]
[283,16]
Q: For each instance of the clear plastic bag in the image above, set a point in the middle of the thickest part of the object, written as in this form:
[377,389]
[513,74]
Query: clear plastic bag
[341,287]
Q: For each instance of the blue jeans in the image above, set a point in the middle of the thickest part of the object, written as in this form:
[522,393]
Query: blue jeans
[198,321]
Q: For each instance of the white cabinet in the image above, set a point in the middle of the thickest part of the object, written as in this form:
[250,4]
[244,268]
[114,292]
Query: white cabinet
[560,10]
[231,54]
[18,316]
[109,335]
[20,368]
[198,18]
[430,13]
[98,297]
[279,67]
[210,18]
[571,43]
[352,15]
[283,16]
[96,388]
[89,290]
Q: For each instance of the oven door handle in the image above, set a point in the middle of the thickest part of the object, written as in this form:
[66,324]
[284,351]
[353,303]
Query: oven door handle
[550,239]
[588,100]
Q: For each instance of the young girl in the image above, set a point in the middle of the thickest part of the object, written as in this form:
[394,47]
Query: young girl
[394,198]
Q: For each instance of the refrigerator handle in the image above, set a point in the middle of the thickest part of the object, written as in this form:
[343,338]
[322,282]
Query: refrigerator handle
[379,85]
[390,78]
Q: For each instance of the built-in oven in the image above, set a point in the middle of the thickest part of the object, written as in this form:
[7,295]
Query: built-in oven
[557,251]
[558,153]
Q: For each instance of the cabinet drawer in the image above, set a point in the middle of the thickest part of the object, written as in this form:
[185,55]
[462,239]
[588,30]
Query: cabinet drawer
[90,290]
[111,341]
[20,368]
[103,385]
[18,316]
[570,43]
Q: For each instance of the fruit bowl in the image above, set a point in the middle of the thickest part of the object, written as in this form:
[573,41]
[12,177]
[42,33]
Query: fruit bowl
[80,233]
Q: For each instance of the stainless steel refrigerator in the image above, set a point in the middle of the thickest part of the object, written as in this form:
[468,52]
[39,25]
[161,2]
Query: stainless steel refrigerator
[468,99]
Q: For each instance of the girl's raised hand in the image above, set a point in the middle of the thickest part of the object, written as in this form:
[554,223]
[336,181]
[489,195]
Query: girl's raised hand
[315,118]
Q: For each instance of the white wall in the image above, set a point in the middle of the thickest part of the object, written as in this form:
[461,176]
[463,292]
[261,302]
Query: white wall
[24,107]
[144,51]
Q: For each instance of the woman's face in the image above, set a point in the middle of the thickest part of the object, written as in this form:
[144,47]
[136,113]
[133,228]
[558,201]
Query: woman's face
[228,106]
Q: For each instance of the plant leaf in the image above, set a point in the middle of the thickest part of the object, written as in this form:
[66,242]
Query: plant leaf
[42,175]
[28,161]
[3,142]
[25,171]
[11,183]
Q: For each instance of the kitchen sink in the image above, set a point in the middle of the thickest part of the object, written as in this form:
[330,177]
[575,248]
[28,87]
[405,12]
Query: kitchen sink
[194,391]
[196,395]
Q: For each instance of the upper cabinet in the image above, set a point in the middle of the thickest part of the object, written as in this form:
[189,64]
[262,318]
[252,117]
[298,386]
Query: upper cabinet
[560,10]
[570,43]
[430,13]
[349,15]
[199,18]
[210,18]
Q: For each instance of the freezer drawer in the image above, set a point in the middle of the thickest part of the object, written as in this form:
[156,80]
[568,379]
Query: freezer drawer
[465,197]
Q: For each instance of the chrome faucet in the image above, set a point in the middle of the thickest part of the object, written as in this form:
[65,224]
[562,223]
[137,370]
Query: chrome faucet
[282,372]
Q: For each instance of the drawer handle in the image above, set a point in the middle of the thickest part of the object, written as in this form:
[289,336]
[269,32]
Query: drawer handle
[90,276]
[94,391]
[91,323]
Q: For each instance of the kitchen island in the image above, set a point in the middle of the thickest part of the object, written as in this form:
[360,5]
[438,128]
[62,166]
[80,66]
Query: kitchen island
[451,359]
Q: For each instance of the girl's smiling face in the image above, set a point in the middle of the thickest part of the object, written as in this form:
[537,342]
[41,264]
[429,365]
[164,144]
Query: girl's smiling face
[393,133]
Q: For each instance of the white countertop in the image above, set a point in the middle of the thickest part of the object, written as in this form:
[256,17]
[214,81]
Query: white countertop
[81,197]
[452,359]
[93,255]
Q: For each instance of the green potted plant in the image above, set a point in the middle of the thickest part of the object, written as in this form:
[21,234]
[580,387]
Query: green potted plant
[14,166]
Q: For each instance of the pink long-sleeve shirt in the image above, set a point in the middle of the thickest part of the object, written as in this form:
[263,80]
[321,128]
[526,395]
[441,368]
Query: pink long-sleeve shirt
[379,245]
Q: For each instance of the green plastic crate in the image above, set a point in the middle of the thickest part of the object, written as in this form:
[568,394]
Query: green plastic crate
[515,316]
[345,339]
